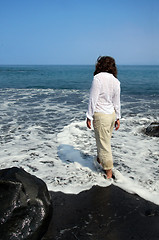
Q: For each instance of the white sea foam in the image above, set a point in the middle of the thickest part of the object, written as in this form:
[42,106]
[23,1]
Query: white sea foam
[135,157]
[44,131]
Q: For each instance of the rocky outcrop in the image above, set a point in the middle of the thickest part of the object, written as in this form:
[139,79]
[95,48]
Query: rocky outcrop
[25,205]
[103,213]
[152,130]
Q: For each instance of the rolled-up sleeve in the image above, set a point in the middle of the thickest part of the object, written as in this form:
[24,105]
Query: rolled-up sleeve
[94,94]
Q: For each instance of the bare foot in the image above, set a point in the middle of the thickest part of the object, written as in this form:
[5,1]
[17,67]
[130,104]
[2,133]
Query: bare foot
[109,173]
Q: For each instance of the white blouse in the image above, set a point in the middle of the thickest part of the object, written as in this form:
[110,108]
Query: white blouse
[104,95]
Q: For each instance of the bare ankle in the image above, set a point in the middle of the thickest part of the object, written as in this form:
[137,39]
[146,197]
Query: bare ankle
[109,173]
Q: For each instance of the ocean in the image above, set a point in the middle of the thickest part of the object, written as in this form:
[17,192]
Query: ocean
[43,127]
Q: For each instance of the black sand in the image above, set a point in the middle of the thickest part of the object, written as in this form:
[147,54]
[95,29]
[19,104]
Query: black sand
[103,214]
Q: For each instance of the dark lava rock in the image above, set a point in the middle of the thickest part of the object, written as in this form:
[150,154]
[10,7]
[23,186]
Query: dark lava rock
[25,205]
[102,213]
[152,130]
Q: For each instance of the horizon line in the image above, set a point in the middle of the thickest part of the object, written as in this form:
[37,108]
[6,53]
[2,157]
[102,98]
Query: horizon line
[62,64]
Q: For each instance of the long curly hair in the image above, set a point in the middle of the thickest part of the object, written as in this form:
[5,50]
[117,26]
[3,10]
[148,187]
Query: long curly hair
[106,64]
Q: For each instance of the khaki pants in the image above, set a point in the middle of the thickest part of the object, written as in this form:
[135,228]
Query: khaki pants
[103,128]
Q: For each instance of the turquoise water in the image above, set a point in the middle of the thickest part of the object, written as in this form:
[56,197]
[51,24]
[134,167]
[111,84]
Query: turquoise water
[134,79]
[44,77]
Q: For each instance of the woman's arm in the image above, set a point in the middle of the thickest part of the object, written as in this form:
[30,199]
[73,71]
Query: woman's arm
[88,123]
[117,124]
[93,98]
[116,100]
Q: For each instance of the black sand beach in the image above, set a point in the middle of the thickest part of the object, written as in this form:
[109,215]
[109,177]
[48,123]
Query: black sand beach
[102,214]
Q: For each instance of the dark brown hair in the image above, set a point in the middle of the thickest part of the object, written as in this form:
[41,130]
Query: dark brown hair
[106,64]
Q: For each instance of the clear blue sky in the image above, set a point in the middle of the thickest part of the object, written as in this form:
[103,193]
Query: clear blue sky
[78,31]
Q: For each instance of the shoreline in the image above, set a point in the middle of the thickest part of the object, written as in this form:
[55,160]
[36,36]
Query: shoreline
[102,213]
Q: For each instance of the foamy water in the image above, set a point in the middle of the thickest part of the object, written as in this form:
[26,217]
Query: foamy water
[44,132]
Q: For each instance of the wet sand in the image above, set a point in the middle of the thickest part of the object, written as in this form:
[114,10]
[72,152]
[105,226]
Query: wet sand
[102,214]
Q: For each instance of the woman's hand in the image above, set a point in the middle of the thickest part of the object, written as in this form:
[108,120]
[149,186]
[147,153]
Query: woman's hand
[117,124]
[88,123]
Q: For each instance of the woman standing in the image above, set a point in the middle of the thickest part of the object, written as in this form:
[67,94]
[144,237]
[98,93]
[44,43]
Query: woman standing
[104,109]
